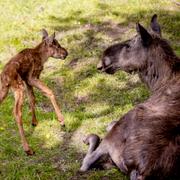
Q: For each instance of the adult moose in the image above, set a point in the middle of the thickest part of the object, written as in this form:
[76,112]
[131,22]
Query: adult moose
[145,142]
[24,69]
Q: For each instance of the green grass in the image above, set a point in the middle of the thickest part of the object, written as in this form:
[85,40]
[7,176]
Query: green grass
[89,100]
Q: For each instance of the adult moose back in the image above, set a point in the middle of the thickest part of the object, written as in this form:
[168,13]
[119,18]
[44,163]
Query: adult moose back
[145,142]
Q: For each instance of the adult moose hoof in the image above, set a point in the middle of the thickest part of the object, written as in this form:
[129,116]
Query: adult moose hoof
[83,168]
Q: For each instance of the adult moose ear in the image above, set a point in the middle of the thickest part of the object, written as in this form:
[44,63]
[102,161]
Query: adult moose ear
[44,34]
[145,36]
[155,25]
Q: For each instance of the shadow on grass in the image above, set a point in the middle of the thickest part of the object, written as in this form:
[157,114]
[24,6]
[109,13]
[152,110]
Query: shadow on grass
[61,161]
[94,22]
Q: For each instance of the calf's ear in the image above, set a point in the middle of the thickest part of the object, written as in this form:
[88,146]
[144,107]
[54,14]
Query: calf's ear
[44,34]
[155,25]
[51,38]
[145,36]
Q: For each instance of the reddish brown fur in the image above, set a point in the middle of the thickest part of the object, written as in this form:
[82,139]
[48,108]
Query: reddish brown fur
[25,69]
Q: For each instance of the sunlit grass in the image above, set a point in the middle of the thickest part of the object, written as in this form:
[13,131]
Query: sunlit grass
[89,99]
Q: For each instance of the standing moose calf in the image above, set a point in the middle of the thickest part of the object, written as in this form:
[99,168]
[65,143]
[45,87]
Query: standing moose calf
[24,69]
[145,142]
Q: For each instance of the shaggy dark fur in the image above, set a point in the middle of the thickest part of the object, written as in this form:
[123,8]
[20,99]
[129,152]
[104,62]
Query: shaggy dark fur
[145,142]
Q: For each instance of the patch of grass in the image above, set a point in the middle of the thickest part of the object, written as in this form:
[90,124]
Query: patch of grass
[89,100]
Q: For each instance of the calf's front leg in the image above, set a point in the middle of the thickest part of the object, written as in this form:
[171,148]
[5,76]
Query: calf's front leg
[49,93]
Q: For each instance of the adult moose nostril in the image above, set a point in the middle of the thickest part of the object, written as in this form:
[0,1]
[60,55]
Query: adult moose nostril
[99,66]
[66,54]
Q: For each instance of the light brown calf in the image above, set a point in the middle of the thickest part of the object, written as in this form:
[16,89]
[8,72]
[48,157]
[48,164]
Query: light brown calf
[24,69]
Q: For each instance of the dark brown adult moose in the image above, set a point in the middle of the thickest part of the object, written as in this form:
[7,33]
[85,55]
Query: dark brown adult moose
[24,69]
[145,142]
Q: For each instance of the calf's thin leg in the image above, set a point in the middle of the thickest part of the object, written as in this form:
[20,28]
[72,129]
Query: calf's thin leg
[48,92]
[32,104]
[3,93]
[18,94]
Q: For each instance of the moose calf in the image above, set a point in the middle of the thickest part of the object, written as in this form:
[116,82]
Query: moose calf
[145,142]
[24,69]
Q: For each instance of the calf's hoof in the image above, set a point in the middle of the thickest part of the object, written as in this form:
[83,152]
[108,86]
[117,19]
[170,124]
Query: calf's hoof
[62,124]
[63,127]
[30,152]
[34,122]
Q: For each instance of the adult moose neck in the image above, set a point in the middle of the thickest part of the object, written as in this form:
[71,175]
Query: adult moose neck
[162,66]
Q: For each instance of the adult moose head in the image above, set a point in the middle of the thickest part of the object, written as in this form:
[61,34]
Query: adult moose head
[145,142]
[147,53]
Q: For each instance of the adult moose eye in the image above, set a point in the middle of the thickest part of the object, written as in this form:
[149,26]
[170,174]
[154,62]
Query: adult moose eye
[127,46]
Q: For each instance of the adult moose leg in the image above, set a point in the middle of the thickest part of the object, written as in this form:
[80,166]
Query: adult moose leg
[49,93]
[18,94]
[92,157]
[32,104]
[93,141]
[134,175]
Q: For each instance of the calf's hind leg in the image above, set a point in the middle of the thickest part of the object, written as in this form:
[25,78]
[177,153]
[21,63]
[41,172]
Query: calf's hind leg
[3,93]
[32,104]
[18,94]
